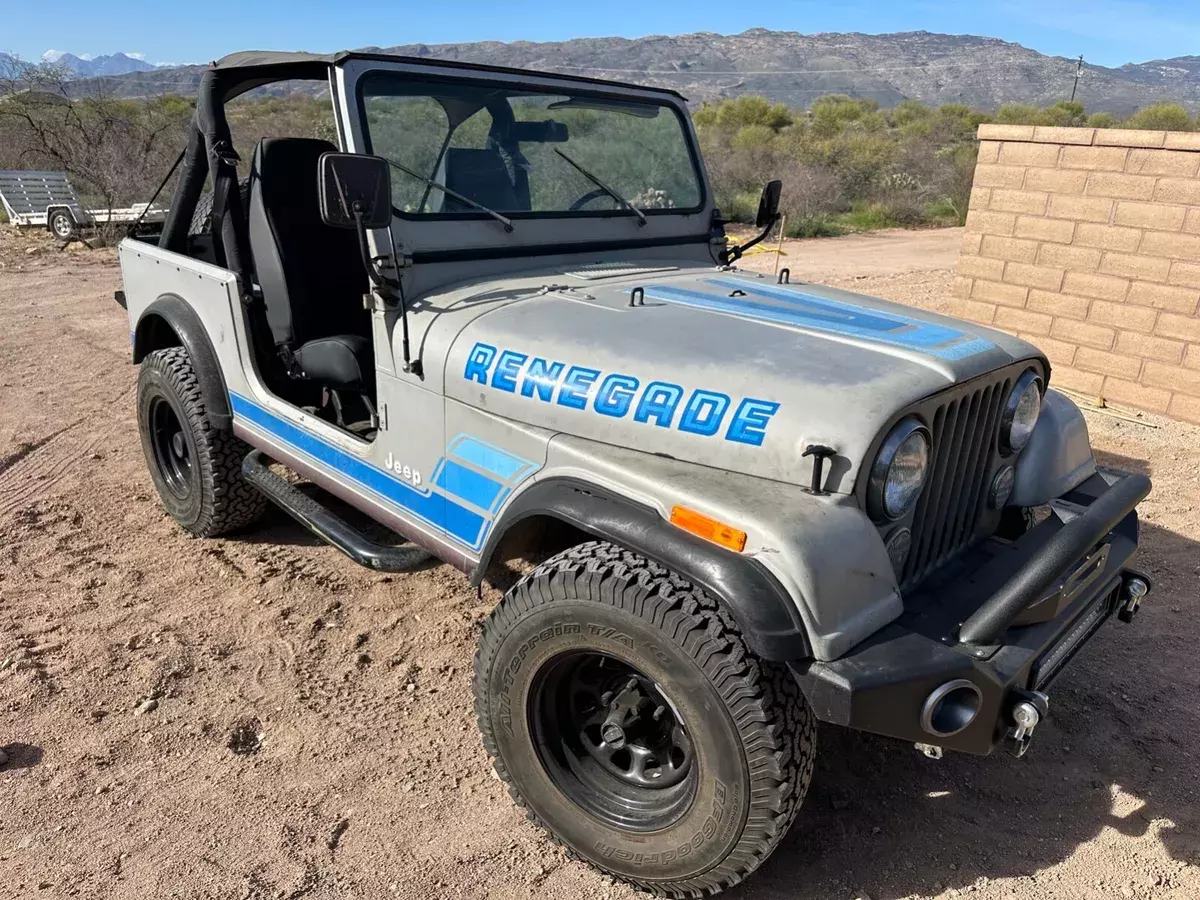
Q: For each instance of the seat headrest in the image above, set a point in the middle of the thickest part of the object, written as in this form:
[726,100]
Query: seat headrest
[290,163]
[481,175]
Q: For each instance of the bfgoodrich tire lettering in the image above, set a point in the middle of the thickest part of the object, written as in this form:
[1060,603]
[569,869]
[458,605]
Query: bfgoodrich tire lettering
[207,496]
[752,732]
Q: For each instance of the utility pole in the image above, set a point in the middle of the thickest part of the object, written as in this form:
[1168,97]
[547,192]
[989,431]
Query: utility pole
[1078,72]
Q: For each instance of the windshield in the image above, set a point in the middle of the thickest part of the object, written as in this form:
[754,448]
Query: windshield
[516,152]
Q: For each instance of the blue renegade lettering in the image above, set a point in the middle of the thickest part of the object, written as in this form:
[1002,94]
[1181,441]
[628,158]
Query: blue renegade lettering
[615,395]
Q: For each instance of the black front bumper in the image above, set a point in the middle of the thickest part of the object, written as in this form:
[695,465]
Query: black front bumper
[1005,618]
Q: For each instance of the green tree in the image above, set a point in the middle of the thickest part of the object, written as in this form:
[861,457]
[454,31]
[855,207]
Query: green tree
[1161,117]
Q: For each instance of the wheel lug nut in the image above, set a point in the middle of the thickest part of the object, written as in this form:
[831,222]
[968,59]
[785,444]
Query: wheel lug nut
[631,684]
[606,697]
[659,713]
[613,736]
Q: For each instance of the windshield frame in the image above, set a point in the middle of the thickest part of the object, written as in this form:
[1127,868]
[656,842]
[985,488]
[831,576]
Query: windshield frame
[589,92]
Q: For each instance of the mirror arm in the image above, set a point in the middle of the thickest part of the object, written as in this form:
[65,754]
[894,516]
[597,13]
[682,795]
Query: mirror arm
[733,254]
[391,290]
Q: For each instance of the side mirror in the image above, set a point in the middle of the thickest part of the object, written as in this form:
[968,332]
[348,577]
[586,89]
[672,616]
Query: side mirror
[768,204]
[355,189]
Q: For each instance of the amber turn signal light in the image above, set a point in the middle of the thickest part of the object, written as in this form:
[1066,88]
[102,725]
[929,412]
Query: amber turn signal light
[709,529]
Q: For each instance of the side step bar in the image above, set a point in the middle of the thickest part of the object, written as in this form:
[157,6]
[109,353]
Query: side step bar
[322,522]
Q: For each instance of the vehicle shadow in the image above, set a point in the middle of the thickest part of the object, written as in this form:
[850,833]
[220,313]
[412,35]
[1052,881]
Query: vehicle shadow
[1119,752]
[278,528]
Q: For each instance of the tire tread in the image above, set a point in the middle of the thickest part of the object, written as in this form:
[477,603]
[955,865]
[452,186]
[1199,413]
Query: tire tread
[227,502]
[775,724]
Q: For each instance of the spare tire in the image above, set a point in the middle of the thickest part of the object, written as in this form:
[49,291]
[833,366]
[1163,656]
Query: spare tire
[201,223]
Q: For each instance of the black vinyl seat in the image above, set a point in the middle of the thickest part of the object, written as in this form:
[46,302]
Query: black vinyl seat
[483,176]
[311,275]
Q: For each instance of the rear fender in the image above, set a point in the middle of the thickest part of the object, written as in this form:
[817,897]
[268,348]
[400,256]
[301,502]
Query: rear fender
[170,322]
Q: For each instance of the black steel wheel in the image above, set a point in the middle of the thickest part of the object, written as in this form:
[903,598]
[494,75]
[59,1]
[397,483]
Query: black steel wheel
[196,468]
[173,449]
[623,710]
[612,741]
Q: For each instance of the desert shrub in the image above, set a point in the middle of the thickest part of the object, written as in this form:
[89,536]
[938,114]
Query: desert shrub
[1161,117]
[848,165]
[1102,120]
[845,163]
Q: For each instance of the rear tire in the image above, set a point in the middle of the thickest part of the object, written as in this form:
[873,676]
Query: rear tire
[196,468]
[730,735]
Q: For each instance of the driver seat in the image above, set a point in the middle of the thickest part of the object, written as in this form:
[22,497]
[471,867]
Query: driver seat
[311,274]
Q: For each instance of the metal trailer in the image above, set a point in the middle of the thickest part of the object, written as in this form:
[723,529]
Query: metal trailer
[47,200]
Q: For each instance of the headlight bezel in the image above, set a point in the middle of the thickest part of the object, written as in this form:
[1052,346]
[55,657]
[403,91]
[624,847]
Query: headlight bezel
[881,469]
[1029,378]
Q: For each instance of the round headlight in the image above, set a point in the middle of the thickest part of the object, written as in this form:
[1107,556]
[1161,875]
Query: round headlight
[898,473]
[899,545]
[1002,486]
[1021,413]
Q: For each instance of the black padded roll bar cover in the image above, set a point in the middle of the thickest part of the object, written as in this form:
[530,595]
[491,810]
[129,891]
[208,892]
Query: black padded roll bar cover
[988,623]
[208,139]
[192,174]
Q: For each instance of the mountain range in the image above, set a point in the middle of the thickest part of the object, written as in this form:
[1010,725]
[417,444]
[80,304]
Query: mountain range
[982,72]
[93,66]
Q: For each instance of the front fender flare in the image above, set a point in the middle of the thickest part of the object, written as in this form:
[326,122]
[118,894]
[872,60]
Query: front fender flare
[170,322]
[765,613]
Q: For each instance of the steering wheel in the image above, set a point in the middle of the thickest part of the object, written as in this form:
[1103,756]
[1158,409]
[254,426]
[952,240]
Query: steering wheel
[588,198]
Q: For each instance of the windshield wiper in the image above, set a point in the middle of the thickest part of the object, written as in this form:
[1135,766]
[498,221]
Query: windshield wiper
[604,187]
[437,185]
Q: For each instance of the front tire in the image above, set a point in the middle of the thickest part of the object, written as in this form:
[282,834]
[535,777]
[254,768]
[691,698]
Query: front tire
[196,468]
[624,712]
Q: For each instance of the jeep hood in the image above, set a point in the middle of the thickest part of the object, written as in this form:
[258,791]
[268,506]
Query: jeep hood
[724,369]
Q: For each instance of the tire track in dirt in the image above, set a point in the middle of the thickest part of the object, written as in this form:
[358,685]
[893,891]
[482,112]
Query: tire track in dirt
[29,472]
[28,448]
[33,476]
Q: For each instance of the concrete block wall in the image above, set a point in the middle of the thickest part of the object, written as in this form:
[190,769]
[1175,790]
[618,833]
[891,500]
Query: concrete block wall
[1086,242]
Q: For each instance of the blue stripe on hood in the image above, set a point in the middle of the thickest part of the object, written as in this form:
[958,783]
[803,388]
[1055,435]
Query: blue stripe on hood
[822,314]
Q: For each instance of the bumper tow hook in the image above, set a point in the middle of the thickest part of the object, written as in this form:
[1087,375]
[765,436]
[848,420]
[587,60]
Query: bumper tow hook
[1027,713]
[1135,590]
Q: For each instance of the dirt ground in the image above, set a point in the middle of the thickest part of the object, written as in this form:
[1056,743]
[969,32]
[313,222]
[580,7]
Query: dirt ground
[133,658]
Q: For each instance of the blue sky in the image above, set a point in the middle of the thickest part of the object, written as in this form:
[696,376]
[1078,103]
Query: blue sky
[1107,32]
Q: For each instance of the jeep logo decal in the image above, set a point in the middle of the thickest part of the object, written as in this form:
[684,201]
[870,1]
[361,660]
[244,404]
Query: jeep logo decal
[578,387]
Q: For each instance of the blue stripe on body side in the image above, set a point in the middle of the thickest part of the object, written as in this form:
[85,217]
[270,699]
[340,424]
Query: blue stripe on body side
[504,465]
[459,522]
[467,484]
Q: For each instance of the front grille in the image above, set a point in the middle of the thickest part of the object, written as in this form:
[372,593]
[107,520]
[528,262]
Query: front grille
[949,516]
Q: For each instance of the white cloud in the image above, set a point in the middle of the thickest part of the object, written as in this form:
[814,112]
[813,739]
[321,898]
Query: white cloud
[86,55]
[132,55]
[52,56]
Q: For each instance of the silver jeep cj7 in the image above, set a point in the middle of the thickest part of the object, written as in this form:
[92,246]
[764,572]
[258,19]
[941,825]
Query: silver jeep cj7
[503,320]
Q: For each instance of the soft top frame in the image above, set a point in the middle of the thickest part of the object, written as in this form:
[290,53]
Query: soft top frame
[259,67]
[210,152]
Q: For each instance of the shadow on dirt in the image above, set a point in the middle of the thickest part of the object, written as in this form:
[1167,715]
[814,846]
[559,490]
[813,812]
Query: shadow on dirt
[1120,751]
[279,528]
[21,756]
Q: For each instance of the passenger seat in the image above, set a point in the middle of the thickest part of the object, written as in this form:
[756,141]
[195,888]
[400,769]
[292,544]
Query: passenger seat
[311,275]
